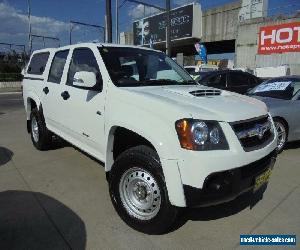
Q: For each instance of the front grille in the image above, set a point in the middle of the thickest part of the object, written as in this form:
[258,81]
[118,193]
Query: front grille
[257,167]
[254,133]
[206,92]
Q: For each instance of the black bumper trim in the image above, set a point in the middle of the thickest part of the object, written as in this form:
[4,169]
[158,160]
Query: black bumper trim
[233,183]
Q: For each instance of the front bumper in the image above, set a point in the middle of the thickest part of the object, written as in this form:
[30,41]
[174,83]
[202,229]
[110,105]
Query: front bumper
[224,186]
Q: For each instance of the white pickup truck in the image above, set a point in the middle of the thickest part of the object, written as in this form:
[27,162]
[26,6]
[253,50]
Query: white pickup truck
[166,142]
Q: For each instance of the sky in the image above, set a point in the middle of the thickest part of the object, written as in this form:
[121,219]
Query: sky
[51,17]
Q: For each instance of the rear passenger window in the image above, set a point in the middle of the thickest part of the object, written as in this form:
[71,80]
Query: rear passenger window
[38,63]
[57,66]
[83,59]
[252,81]
[238,79]
[217,80]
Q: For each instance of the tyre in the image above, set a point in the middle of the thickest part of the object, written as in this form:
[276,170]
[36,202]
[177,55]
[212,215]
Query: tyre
[282,132]
[138,191]
[40,136]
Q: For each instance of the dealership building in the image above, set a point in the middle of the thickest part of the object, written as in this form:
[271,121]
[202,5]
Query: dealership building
[243,28]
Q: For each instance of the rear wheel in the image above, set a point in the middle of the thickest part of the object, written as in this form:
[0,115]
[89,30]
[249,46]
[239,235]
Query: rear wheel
[282,132]
[138,191]
[40,135]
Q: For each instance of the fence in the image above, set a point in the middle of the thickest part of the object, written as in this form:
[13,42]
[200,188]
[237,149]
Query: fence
[10,81]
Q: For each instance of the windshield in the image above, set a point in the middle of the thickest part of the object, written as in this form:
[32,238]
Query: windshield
[280,88]
[131,67]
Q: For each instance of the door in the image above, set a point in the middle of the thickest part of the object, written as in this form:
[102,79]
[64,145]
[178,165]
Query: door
[51,91]
[83,108]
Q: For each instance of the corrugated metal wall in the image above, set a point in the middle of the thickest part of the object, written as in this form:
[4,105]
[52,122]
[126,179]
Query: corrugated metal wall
[220,23]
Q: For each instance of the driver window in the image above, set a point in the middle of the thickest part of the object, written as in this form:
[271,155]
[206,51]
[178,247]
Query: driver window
[83,59]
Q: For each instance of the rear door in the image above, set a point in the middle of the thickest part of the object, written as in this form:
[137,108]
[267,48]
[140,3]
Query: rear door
[52,102]
[83,108]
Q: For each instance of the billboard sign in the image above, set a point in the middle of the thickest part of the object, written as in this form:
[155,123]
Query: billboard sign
[279,38]
[152,29]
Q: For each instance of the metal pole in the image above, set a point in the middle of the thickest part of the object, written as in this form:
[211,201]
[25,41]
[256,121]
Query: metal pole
[108,21]
[29,27]
[70,34]
[117,21]
[168,29]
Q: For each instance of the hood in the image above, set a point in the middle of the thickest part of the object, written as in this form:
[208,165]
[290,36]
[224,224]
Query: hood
[201,102]
[269,101]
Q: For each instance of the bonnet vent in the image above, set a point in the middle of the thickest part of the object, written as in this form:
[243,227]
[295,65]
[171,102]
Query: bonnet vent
[206,92]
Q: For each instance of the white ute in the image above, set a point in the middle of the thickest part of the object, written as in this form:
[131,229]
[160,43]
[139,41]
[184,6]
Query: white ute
[166,142]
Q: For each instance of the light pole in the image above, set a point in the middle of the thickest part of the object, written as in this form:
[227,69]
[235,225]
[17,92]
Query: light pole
[108,21]
[168,28]
[29,26]
[117,21]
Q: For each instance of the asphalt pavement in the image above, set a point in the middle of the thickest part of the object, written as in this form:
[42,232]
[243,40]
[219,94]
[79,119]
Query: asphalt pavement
[10,102]
[58,199]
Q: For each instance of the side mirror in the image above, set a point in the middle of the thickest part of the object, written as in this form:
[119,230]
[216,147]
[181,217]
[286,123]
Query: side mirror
[84,79]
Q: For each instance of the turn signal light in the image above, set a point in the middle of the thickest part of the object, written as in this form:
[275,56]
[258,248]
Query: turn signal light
[183,129]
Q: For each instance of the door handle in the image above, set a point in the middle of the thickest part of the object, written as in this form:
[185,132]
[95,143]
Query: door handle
[65,95]
[46,90]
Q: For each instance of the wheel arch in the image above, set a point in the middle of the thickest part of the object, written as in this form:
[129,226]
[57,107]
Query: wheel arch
[284,121]
[32,101]
[115,145]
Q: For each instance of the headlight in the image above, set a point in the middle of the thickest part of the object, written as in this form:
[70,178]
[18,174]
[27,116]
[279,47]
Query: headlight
[200,135]
[199,132]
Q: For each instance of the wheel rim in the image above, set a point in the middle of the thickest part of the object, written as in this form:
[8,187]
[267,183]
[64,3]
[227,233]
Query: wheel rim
[34,129]
[140,193]
[281,132]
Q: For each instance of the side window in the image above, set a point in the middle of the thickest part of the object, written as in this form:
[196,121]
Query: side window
[217,80]
[83,59]
[238,79]
[57,66]
[38,63]
[253,81]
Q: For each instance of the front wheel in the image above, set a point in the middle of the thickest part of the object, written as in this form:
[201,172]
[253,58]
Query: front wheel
[282,132]
[138,191]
